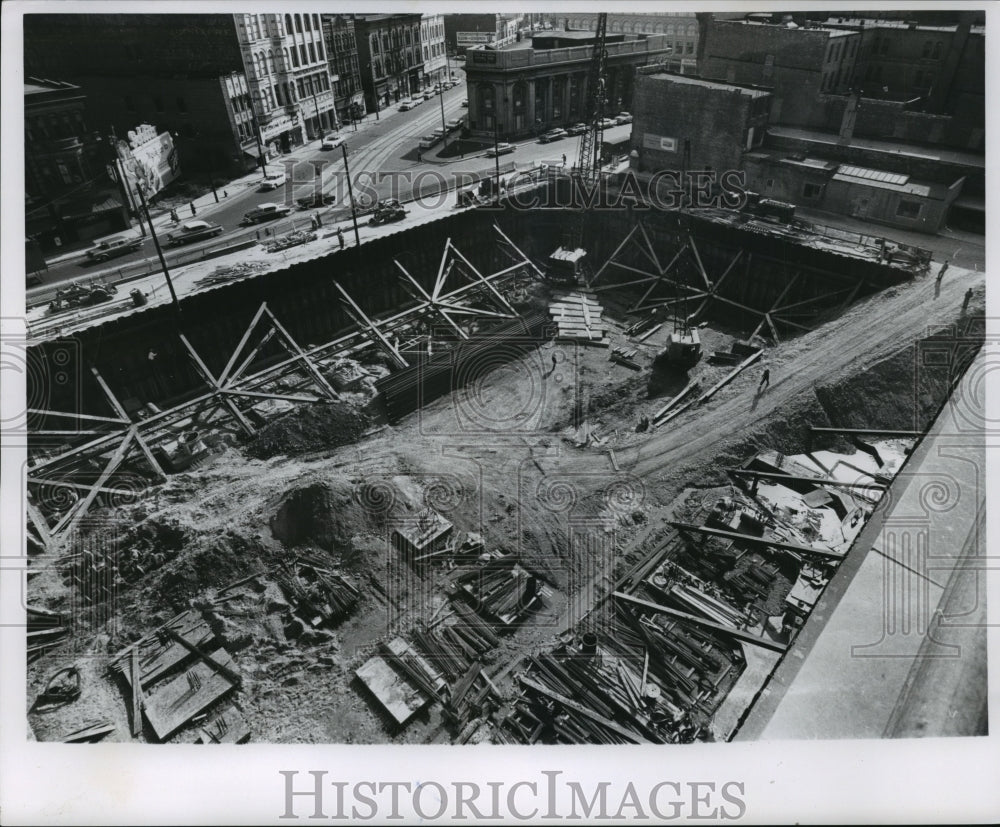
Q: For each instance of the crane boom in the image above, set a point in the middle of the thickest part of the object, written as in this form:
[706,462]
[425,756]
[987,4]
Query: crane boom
[589,160]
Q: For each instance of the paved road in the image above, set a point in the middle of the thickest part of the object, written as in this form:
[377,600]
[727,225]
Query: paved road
[383,163]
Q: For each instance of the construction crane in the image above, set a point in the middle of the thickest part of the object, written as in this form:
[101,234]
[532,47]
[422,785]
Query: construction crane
[567,264]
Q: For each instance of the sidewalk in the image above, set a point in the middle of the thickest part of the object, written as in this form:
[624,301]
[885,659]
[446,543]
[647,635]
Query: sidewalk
[205,205]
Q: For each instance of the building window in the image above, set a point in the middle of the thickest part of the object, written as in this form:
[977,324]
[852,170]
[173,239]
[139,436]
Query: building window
[810,190]
[302,52]
[883,48]
[312,50]
[308,23]
[908,209]
[936,53]
[927,48]
[769,184]
[295,58]
[298,23]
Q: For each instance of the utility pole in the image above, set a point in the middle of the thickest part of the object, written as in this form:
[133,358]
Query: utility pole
[159,252]
[350,194]
[444,126]
[496,151]
[260,145]
[371,68]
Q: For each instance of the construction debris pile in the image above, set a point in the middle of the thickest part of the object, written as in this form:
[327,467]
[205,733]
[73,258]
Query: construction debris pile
[292,239]
[226,273]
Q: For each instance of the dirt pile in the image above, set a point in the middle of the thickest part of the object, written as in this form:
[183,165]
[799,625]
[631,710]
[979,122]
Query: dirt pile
[905,391]
[328,514]
[309,428]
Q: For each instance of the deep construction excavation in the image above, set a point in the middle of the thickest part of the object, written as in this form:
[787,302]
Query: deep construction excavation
[429,490]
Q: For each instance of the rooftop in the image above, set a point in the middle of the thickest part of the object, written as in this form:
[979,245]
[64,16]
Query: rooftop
[879,23]
[37,86]
[691,80]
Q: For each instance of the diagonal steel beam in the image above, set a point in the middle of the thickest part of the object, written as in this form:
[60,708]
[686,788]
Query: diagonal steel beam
[242,343]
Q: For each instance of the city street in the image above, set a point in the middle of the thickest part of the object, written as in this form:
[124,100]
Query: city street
[382,156]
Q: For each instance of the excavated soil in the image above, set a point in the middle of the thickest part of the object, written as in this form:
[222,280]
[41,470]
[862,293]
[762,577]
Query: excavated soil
[564,509]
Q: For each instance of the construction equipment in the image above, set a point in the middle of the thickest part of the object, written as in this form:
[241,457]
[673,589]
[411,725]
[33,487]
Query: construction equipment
[76,295]
[566,264]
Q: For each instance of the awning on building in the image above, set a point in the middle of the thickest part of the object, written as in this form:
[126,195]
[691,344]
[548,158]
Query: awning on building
[252,151]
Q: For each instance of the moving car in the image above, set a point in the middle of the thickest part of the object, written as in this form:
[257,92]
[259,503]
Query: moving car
[114,247]
[332,141]
[465,103]
[553,135]
[271,182]
[265,212]
[428,141]
[576,129]
[193,231]
[455,124]
[623,117]
[406,105]
[501,148]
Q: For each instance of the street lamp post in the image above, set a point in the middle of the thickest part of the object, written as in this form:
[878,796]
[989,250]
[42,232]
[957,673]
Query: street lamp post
[156,244]
[371,68]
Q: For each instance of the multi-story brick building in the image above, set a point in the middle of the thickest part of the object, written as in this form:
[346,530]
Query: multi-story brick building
[345,73]
[686,124]
[540,82]
[679,28]
[389,56]
[432,45]
[284,59]
[69,196]
[830,141]
[208,79]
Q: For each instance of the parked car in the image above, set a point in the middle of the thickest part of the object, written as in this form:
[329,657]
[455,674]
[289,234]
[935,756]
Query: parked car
[455,124]
[272,182]
[193,231]
[553,135]
[465,103]
[576,129]
[406,105]
[623,117]
[113,248]
[501,148]
[607,123]
[440,132]
[387,210]
[265,212]
[428,141]
[332,141]
[315,201]
[430,93]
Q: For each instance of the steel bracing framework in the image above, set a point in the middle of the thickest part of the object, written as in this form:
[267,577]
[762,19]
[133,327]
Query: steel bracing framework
[667,284]
[111,456]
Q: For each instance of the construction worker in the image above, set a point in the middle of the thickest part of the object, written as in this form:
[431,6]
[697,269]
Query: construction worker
[765,380]
[564,159]
[340,237]
[193,210]
[941,272]
[174,216]
[967,299]
[319,220]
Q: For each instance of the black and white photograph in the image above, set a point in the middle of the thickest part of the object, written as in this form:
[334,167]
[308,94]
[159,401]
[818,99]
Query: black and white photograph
[435,382]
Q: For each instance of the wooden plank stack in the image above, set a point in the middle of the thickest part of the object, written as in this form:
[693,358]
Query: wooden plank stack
[579,318]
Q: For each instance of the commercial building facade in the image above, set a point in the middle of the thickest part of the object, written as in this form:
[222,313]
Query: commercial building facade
[345,73]
[68,194]
[679,28]
[389,56]
[467,31]
[432,44]
[542,81]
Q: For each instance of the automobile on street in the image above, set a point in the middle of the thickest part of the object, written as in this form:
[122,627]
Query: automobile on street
[576,129]
[455,124]
[193,231]
[271,182]
[623,117]
[265,212]
[332,141]
[553,135]
[113,247]
[501,148]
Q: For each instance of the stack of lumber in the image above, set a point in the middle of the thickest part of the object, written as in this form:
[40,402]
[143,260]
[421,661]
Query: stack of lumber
[578,317]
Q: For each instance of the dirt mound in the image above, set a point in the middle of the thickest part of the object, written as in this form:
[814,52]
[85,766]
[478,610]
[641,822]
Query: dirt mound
[904,391]
[309,428]
[327,514]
